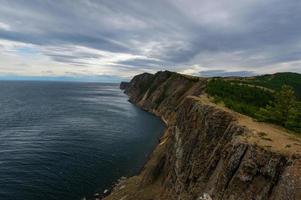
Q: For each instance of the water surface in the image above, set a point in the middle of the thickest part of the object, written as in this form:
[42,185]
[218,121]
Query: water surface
[67,140]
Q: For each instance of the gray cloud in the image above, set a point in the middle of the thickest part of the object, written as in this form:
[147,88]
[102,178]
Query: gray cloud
[126,37]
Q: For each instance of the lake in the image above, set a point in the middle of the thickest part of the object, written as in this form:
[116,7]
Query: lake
[63,140]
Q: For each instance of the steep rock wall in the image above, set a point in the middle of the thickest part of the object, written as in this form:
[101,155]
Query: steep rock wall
[201,154]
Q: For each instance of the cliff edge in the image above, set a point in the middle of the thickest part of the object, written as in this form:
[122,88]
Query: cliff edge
[208,151]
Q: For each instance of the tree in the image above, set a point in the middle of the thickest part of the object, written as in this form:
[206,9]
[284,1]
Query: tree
[294,121]
[285,103]
[282,110]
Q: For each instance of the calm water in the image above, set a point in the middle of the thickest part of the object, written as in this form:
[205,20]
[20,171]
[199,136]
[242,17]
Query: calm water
[68,140]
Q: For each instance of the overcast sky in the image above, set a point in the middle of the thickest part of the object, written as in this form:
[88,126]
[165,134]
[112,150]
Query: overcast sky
[121,38]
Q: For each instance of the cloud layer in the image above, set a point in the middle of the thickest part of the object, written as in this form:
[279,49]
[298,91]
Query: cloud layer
[123,38]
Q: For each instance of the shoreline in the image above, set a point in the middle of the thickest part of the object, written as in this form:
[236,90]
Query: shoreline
[107,192]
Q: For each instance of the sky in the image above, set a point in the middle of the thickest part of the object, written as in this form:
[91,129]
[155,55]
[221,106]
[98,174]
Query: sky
[117,39]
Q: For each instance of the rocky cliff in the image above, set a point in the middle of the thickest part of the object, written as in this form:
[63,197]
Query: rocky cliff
[208,151]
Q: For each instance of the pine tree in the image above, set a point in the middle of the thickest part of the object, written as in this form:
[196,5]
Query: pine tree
[285,103]
[283,111]
[294,121]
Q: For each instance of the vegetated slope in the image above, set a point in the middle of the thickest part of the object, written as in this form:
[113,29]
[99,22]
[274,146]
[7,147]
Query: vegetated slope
[242,98]
[208,151]
[276,81]
[270,98]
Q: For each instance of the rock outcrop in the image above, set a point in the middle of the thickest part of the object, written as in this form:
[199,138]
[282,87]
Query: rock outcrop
[124,85]
[204,152]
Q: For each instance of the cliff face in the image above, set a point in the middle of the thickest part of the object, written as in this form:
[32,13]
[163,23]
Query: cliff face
[204,153]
